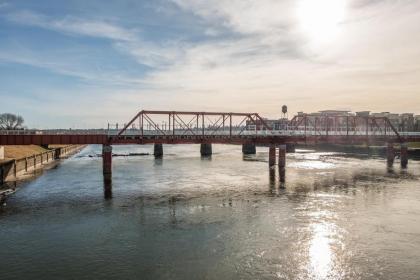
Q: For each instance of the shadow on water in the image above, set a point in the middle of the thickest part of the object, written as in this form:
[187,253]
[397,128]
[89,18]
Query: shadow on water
[107,186]
[158,161]
[206,157]
[272,180]
[172,211]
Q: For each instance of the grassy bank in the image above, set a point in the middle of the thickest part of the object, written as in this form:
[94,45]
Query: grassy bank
[21,151]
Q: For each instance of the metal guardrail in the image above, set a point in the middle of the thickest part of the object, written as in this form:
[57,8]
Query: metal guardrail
[207,132]
[54,132]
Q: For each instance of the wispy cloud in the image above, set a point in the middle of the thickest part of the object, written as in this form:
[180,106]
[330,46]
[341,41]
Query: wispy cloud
[123,39]
[251,55]
[4,5]
[74,25]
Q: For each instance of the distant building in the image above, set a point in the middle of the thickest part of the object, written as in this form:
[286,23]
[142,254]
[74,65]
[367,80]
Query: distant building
[363,114]
[337,120]
[280,124]
[333,113]
[417,122]
[406,122]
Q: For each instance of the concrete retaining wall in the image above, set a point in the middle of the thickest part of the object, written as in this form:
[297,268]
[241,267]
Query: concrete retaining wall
[13,169]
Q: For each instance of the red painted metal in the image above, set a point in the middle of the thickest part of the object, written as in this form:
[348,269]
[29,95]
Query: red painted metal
[223,128]
[178,119]
[197,139]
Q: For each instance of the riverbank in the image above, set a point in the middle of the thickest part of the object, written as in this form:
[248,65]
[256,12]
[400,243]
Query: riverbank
[21,162]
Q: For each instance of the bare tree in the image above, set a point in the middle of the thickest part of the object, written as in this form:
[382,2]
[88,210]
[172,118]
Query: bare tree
[10,121]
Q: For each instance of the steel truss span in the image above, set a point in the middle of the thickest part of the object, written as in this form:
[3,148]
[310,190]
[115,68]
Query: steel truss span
[175,127]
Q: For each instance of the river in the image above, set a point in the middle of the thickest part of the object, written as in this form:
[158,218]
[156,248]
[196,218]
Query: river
[186,217]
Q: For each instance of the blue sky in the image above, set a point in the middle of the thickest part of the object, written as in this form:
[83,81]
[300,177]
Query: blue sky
[86,63]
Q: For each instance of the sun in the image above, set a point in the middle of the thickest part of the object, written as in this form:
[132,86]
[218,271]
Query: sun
[320,19]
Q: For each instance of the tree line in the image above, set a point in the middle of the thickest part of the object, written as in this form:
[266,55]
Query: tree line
[10,121]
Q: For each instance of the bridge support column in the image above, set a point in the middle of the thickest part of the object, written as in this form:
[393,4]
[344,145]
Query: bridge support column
[206,149]
[290,148]
[404,155]
[282,162]
[390,154]
[158,150]
[249,149]
[272,156]
[107,161]
[1,152]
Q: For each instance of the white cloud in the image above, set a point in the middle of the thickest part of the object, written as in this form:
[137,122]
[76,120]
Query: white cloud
[374,59]
[254,59]
[126,40]
[244,16]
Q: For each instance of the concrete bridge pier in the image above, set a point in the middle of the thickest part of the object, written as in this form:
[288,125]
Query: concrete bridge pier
[390,154]
[282,163]
[158,150]
[272,156]
[107,161]
[249,149]
[206,149]
[404,155]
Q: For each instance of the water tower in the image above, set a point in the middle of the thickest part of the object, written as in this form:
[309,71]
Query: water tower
[284,114]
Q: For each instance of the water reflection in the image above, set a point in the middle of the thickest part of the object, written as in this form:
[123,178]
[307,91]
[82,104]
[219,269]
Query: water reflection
[282,185]
[272,180]
[225,219]
[206,157]
[282,175]
[320,253]
[158,161]
[107,186]
[172,211]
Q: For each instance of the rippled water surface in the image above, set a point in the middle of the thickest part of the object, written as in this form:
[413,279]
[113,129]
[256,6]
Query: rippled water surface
[224,217]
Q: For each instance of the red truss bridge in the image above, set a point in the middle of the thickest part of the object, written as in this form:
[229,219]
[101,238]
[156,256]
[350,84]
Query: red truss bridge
[173,127]
[206,128]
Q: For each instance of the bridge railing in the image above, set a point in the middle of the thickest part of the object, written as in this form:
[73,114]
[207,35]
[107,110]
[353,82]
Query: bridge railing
[259,133]
[170,123]
[210,132]
[54,132]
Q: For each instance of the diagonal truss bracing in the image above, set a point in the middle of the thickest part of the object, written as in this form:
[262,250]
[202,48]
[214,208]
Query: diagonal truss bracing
[176,123]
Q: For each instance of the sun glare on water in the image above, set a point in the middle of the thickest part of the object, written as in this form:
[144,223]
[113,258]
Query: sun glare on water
[320,19]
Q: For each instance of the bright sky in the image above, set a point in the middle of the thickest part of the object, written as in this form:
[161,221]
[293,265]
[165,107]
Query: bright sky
[84,63]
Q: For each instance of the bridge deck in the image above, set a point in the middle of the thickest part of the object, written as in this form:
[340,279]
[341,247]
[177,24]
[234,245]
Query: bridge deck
[173,127]
[83,139]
